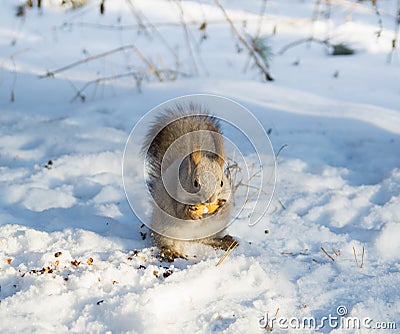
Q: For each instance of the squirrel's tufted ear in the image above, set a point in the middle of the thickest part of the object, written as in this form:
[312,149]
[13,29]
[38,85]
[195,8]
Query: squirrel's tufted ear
[196,157]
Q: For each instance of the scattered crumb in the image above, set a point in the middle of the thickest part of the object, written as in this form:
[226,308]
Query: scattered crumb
[75,263]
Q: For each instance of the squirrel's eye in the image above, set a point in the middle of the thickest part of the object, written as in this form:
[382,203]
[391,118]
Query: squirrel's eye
[222,183]
[196,183]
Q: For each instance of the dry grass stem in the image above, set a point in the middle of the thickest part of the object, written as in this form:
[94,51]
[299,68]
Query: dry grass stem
[230,249]
[396,32]
[362,258]
[86,60]
[327,254]
[279,151]
[355,255]
[282,205]
[337,253]
[276,313]
[260,21]
[145,24]
[187,36]
[251,50]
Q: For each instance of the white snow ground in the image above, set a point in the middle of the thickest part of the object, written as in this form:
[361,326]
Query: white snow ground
[338,179]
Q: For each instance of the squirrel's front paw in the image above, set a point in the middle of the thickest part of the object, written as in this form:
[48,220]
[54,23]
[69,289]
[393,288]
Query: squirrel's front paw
[169,255]
[194,212]
[202,210]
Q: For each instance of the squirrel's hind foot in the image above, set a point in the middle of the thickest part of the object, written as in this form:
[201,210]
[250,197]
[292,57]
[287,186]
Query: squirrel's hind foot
[222,243]
[169,255]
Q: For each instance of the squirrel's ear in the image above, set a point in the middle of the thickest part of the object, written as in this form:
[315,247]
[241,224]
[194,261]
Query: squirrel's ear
[220,161]
[196,157]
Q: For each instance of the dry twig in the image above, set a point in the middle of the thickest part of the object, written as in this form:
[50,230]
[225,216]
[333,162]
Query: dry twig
[362,257]
[378,14]
[327,254]
[137,75]
[396,32]
[151,67]
[337,253]
[230,249]
[253,53]
[145,23]
[279,151]
[260,21]
[86,60]
[187,37]
[160,24]
[355,255]
[301,41]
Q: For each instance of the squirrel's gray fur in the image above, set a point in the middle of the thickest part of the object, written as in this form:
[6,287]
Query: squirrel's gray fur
[189,135]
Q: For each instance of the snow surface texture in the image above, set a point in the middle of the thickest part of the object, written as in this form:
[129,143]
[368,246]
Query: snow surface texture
[338,178]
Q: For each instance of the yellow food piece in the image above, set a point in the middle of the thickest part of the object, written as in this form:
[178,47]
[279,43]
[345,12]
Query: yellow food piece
[213,207]
[202,208]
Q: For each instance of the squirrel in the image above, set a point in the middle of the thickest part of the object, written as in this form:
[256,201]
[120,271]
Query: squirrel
[189,137]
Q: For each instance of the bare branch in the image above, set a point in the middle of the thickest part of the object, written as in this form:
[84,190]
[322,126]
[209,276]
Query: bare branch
[185,29]
[302,41]
[396,33]
[355,255]
[263,67]
[145,23]
[337,253]
[362,258]
[230,249]
[86,60]
[137,75]
[260,21]
[378,14]
[327,254]
[155,24]
[150,64]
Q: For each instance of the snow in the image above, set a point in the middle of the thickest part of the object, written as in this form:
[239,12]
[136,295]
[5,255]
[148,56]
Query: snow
[386,241]
[338,184]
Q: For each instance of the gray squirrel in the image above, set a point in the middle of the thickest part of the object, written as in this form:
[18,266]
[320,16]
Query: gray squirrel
[199,191]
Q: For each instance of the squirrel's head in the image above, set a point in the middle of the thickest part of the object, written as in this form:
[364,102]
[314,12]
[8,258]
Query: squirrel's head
[203,174]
